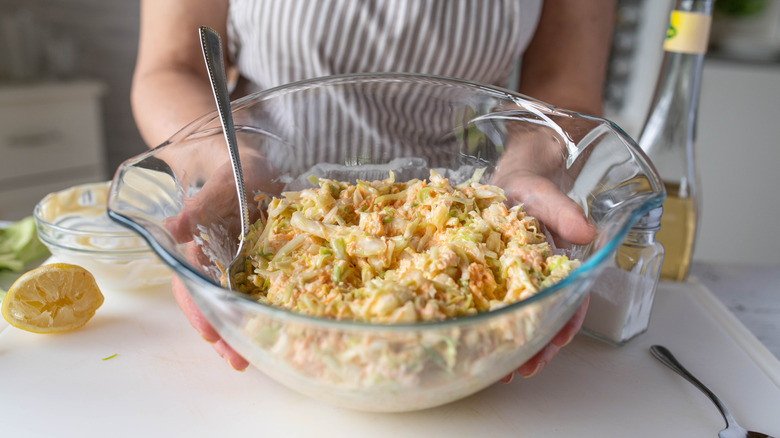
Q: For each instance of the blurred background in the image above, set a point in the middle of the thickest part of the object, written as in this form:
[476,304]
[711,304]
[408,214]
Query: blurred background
[65,115]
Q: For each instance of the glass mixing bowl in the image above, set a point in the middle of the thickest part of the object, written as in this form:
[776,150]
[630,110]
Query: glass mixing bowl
[181,197]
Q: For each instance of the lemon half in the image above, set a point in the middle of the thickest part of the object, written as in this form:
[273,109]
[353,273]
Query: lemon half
[52,298]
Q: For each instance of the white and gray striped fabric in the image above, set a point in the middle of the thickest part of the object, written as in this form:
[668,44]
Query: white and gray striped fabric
[275,42]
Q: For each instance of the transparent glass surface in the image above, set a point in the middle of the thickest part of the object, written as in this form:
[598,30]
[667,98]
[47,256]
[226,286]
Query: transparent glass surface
[621,299]
[74,225]
[181,197]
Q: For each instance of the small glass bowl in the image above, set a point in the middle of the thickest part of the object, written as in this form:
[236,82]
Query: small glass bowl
[74,225]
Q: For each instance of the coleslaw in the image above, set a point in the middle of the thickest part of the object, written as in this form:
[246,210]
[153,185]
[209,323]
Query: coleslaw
[393,252]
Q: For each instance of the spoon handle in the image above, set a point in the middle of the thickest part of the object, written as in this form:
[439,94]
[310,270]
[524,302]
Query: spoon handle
[211,44]
[667,358]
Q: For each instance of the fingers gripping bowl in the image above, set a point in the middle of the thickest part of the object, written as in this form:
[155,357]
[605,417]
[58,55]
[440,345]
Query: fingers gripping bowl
[356,128]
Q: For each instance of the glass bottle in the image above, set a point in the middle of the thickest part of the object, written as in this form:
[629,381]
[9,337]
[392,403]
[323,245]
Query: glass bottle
[622,296]
[669,134]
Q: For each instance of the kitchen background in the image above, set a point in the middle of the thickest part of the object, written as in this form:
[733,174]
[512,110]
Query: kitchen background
[65,115]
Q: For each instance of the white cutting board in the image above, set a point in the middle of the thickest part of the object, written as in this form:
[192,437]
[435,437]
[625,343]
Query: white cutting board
[166,381]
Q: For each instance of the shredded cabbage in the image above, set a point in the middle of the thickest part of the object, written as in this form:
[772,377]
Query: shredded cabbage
[387,251]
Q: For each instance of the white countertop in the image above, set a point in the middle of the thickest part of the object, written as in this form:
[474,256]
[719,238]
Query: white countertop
[751,293]
[165,381]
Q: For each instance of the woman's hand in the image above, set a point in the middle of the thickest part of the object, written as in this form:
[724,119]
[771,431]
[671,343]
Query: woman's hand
[531,172]
[203,327]
[560,340]
[218,198]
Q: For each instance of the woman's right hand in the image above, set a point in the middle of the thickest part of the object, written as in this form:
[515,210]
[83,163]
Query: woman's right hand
[197,320]
[530,173]
[217,199]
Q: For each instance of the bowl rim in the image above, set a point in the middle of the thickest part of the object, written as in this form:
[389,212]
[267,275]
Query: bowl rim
[43,224]
[586,271]
[198,125]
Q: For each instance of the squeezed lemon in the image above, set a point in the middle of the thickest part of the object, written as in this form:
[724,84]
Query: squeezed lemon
[58,297]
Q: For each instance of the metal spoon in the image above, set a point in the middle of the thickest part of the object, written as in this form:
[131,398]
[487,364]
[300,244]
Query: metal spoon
[211,44]
[732,430]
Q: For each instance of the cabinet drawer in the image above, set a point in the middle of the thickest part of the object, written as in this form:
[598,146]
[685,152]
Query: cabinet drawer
[40,137]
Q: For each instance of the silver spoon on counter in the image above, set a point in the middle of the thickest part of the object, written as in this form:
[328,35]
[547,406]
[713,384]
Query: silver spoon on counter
[211,45]
[732,430]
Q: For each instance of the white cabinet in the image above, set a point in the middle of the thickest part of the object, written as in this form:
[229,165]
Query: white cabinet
[51,137]
[739,161]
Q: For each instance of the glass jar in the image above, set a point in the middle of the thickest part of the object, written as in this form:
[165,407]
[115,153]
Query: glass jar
[622,296]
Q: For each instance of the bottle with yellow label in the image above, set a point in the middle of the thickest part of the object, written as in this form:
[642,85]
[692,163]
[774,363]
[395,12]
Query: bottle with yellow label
[669,134]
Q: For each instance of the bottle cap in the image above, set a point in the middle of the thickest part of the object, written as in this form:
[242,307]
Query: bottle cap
[650,221]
